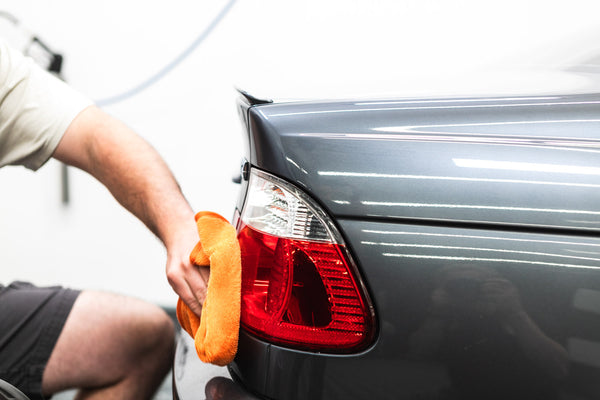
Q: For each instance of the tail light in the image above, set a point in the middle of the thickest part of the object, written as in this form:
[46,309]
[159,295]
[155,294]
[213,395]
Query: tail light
[299,285]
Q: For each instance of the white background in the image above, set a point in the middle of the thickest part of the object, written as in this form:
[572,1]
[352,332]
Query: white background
[273,48]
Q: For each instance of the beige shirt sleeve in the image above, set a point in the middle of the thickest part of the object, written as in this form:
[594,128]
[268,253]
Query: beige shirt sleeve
[36,108]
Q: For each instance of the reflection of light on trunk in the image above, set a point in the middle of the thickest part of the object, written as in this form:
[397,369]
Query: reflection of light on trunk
[502,238]
[427,246]
[370,175]
[484,259]
[477,207]
[526,167]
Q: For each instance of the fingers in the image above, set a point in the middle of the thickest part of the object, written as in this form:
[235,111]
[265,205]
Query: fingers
[502,295]
[205,273]
[498,286]
[220,388]
[190,282]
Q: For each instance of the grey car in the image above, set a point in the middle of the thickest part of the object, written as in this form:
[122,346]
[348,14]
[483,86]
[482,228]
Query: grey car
[415,249]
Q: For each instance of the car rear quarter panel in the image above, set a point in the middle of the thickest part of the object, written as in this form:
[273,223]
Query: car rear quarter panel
[474,224]
[431,347]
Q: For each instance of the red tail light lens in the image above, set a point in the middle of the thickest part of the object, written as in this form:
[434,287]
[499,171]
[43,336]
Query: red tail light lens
[299,285]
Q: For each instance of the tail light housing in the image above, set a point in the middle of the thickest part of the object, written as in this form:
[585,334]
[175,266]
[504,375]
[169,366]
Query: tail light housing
[300,287]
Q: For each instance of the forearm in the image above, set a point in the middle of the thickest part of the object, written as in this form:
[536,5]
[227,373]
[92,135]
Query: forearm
[131,170]
[141,181]
[548,354]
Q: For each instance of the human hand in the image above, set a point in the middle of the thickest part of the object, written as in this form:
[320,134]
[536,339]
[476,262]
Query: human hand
[501,296]
[221,388]
[189,281]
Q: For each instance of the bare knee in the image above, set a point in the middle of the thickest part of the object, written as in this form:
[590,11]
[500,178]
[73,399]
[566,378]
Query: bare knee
[154,336]
[109,339]
[140,331]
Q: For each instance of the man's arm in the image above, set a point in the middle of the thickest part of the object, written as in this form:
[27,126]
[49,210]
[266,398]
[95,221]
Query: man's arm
[140,180]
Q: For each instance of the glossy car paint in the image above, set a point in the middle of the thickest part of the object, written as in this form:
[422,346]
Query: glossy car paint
[522,161]
[475,226]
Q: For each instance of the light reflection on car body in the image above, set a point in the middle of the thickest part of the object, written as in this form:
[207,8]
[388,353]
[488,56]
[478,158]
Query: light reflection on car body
[474,224]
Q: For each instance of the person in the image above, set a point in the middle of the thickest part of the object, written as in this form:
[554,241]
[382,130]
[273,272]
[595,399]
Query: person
[106,345]
[478,327]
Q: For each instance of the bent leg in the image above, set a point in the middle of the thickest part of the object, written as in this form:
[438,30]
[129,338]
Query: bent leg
[31,320]
[111,347]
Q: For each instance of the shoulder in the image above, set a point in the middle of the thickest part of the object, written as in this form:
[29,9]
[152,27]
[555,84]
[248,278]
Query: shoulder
[35,110]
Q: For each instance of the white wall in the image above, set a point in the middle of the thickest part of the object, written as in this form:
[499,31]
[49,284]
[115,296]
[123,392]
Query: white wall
[275,48]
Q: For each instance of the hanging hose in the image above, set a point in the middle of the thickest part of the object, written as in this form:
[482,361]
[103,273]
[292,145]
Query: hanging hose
[171,65]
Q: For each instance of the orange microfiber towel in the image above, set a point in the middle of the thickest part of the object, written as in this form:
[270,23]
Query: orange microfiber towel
[216,332]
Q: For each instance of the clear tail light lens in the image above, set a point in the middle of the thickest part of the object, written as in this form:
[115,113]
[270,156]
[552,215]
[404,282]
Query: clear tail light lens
[299,285]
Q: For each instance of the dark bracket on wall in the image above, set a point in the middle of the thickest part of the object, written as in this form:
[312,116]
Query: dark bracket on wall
[53,64]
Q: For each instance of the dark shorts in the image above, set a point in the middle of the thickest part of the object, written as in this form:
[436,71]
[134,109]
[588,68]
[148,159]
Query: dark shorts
[31,319]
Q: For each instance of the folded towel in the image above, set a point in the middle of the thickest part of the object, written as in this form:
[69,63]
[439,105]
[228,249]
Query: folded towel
[216,332]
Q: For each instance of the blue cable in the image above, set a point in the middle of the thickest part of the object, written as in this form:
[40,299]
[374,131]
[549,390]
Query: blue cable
[170,66]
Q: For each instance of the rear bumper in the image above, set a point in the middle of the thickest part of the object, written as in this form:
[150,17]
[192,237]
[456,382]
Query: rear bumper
[192,378]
